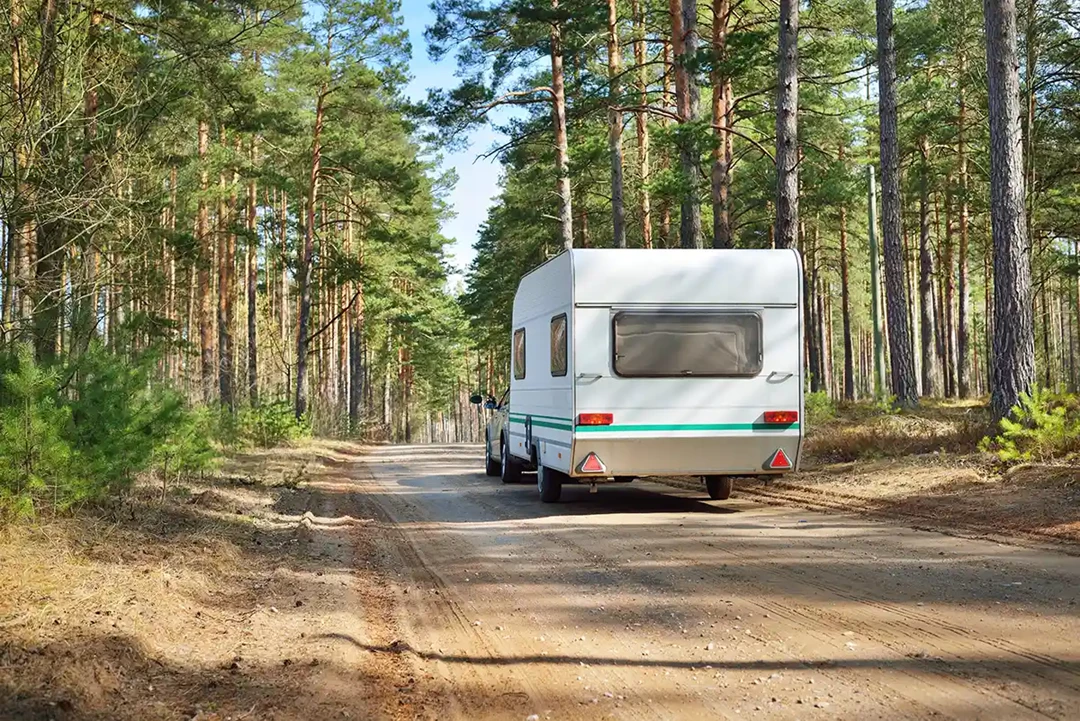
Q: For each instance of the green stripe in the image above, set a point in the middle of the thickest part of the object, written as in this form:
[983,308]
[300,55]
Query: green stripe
[689,427]
[545,424]
[521,417]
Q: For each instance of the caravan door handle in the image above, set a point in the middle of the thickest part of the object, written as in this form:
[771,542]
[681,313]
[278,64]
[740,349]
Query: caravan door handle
[779,376]
[589,376]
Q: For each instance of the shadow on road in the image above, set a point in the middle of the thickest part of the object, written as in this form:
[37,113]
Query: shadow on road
[912,663]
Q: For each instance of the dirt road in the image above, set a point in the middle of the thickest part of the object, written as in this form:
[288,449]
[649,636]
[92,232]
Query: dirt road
[647,602]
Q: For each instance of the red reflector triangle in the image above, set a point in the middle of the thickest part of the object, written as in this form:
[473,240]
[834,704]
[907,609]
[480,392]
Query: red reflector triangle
[592,464]
[780,460]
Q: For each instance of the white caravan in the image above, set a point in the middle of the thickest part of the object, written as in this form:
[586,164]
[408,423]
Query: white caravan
[636,363]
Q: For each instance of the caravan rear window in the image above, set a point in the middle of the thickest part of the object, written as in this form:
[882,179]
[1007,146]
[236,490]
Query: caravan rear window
[687,343]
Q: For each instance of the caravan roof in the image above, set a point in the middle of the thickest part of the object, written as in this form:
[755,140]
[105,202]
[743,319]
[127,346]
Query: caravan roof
[686,277]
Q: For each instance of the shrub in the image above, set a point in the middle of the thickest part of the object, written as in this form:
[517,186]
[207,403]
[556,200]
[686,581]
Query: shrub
[1040,427]
[121,417]
[271,424]
[819,408]
[35,456]
[77,433]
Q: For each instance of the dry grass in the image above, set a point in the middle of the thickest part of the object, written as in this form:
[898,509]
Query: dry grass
[143,613]
[862,432]
[925,465]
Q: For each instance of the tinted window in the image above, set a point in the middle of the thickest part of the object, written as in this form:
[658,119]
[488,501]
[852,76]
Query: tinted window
[519,353]
[668,344]
[558,345]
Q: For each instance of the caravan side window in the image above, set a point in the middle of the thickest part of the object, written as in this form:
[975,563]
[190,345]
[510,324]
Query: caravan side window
[558,345]
[519,354]
[686,343]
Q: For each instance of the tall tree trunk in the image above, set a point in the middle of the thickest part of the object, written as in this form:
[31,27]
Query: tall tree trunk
[307,253]
[171,314]
[669,74]
[684,41]
[356,334]
[1014,342]
[926,278]
[1076,300]
[787,135]
[615,128]
[253,279]
[721,182]
[641,120]
[819,313]
[1047,332]
[283,329]
[845,310]
[948,266]
[813,350]
[902,359]
[562,147]
[964,301]
[52,228]
[226,287]
[202,232]
[20,271]
[1031,52]
[875,290]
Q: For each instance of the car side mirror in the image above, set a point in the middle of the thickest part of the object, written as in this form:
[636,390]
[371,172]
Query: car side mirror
[491,404]
[476,399]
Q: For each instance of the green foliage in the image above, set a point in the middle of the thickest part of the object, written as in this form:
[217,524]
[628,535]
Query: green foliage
[1043,426]
[35,456]
[82,432]
[820,408]
[119,417]
[270,424]
[189,447]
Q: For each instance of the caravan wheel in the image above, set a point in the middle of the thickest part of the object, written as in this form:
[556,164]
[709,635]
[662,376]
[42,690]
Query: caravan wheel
[549,482]
[719,487]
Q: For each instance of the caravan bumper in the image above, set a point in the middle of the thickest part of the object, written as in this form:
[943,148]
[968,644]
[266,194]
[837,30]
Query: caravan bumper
[728,455]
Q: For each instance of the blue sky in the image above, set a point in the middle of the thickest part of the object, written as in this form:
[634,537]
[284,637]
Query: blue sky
[477,178]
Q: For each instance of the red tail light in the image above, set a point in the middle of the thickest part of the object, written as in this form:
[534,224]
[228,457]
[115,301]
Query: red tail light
[595,419]
[781,418]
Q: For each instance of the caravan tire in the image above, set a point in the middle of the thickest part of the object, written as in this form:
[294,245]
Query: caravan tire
[511,468]
[491,468]
[549,482]
[719,487]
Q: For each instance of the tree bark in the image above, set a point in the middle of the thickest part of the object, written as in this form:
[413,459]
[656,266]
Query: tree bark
[641,119]
[283,330]
[684,41]
[926,278]
[721,182]
[226,287]
[253,280]
[902,360]
[1014,342]
[787,135]
[948,266]
[356,335]
[963,353]
[665,203]
[845,310]
[307,253]
[618,207]
[562,147]
[202,233]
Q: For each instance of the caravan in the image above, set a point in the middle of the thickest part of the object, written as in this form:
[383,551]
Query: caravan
[634,363]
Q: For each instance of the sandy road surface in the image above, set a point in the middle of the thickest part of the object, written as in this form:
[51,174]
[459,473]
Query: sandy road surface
[646,602]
